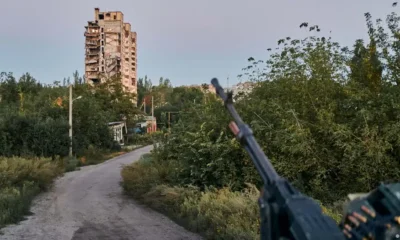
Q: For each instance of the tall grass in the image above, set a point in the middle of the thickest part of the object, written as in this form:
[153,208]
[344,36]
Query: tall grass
[20,180]
[214,213]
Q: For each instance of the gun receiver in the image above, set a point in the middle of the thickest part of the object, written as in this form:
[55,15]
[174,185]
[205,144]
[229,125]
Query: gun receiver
[285,212]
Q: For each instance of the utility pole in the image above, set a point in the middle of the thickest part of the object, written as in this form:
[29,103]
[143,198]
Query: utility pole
[169,120]
[152,113]
[70,120]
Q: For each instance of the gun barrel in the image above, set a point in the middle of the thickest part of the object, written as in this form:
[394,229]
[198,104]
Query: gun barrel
[245,135]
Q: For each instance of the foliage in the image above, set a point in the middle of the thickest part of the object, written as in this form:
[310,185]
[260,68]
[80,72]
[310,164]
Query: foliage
[168,101]
[221,214]
[145,139]
[214,213]
[34,116]
[324,114]
[27,136]
[20,180]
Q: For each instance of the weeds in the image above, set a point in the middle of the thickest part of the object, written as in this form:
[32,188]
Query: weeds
[214,213]
[20,180]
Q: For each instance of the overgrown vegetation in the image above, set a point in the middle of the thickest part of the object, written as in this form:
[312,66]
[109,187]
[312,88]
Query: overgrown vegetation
[20,180]
[34,141]
[327,116]
[34,116]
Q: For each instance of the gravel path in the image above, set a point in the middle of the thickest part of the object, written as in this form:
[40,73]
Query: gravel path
[89,204]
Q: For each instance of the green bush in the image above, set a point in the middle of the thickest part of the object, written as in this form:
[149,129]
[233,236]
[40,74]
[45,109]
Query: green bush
[144,139]
[71,164]
[214,213]
[325,115]
[21,180]
[34,116]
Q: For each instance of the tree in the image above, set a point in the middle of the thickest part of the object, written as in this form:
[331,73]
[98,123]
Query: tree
[34,116]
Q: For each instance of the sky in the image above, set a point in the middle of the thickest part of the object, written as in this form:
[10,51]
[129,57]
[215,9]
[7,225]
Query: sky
[187,41]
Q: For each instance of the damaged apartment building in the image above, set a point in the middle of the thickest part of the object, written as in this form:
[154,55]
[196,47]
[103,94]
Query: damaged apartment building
[110,49]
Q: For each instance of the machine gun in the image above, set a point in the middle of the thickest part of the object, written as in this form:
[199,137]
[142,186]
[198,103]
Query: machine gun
[286,214]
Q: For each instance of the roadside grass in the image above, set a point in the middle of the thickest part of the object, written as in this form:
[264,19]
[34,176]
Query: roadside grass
[213,213]
[93,156]
[20,181]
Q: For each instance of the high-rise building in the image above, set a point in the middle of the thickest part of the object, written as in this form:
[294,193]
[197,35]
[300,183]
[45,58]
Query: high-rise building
[110,49]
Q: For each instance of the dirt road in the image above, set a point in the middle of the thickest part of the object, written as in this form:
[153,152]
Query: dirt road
[89,204]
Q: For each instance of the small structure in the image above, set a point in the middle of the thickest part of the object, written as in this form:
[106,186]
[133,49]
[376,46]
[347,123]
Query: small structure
[117,128]
[146,121]
[151,123]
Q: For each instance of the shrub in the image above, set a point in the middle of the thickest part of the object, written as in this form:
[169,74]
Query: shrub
[215,213]
[20,180]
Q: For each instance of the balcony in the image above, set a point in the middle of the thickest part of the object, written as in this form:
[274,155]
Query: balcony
[92,42]
[92,69]
[92,53]
[92,47]
[90,58]
[91,34]
[92,61]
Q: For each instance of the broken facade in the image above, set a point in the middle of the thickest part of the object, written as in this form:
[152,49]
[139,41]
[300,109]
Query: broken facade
[110,49]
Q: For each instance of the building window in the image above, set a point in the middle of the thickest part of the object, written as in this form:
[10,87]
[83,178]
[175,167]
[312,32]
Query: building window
[102,29]
[133,81]
[102,69]
[101,16]
[133,39]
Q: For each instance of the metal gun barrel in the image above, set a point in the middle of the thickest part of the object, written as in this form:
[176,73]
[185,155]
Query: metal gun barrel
[263,164]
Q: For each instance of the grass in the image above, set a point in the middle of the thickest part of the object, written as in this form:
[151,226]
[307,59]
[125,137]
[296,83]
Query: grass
[93,156]
[214,213]
[20,181]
